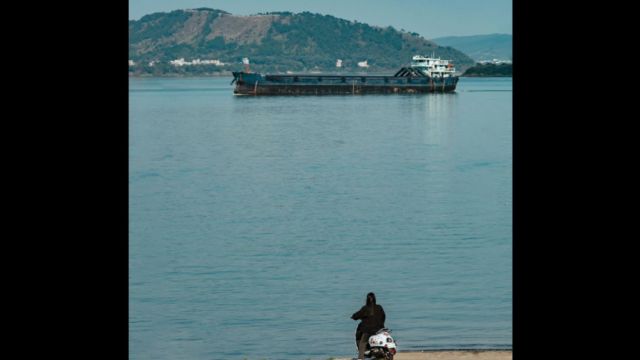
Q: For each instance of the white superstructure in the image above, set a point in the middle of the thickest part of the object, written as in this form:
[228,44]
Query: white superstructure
[434,67]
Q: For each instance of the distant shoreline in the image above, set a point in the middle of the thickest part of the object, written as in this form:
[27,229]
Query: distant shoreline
[149,76]
[230,74]
[479,76]
[490,70]
[179,75]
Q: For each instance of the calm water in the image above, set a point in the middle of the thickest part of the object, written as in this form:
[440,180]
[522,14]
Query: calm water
[258,224]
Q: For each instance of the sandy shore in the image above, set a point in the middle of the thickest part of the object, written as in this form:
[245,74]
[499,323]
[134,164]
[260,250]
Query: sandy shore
[457,355]
[452,355]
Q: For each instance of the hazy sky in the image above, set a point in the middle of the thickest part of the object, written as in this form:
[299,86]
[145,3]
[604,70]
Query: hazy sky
[429,18]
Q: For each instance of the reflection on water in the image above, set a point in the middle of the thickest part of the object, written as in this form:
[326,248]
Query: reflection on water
[431,116]
[439,117]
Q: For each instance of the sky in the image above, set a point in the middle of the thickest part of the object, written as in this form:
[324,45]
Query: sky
[429,18]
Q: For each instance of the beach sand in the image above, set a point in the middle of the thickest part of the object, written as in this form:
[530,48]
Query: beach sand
[452,355]
[457,355]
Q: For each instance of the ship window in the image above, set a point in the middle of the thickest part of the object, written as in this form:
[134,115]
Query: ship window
[343,79]
[295,79]
[364,79]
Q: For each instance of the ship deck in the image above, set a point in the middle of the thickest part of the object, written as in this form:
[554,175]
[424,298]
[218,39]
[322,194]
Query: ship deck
[404,80]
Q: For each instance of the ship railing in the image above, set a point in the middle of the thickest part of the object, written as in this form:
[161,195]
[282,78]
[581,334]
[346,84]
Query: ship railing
[355,80]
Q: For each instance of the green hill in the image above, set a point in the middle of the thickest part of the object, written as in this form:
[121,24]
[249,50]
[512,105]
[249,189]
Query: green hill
[481,47]
[490,70]
[274,42]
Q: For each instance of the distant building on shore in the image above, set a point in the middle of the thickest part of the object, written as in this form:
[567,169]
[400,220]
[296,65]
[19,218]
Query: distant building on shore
[363,64]
[182,62]
[495,61]
[132,63]
[339,63]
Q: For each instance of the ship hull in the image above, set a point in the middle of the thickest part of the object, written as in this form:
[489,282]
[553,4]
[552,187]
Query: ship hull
[257,84]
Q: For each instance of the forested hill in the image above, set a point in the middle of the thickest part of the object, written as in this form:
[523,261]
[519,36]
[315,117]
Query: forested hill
[490,70]
[278,42]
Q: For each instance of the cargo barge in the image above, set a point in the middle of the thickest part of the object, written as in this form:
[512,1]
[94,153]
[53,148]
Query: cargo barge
[424,75]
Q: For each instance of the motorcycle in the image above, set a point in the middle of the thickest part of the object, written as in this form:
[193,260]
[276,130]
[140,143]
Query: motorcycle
[381,345]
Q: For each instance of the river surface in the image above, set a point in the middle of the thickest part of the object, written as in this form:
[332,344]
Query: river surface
[259,224]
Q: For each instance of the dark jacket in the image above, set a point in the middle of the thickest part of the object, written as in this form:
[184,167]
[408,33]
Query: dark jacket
[372,317]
